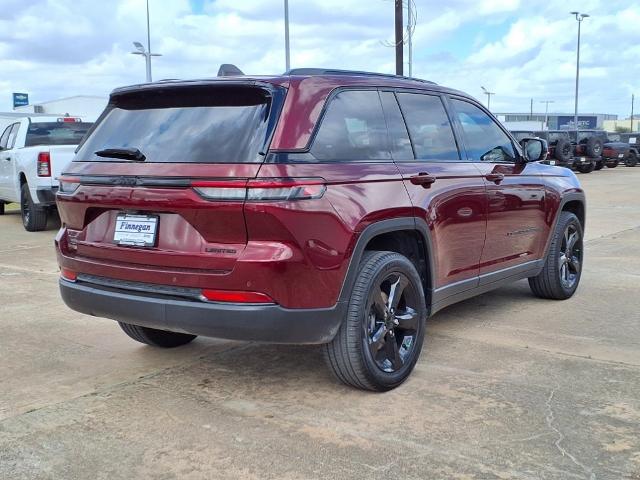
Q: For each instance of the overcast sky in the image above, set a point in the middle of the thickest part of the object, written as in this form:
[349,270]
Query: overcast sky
[518,49]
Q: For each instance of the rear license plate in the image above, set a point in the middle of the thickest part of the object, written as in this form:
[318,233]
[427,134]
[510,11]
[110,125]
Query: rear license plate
[583,160]
[136,230]
[620,155]
[552,162]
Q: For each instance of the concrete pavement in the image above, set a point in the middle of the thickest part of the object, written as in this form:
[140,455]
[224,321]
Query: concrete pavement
[508,386]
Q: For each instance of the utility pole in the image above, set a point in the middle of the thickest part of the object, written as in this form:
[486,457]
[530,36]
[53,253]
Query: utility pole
[399,37]
[579,17]
[546,112]
[632,102]
[287,58]
[409,35]
[531,110]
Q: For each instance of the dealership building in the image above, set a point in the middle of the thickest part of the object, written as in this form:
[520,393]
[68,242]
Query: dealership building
[558,121]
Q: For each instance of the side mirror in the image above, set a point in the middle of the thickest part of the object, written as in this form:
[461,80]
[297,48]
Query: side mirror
[535,149]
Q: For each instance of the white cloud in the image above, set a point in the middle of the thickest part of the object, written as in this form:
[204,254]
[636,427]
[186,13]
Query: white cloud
[56,48]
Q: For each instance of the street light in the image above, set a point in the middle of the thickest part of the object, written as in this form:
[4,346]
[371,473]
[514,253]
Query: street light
[140,50]
[579,17]
[546,111]
[488,94]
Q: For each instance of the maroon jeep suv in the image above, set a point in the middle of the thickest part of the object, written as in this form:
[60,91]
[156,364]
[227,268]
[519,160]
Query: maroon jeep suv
[317,207]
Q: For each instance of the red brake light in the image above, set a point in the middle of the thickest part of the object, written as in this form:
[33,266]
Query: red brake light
[68,275]
[44,164]
[234,296]
[69,120]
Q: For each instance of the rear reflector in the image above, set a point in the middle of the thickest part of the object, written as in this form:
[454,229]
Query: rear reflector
[261,189]
[44,164]
[69,184]
[233,296]
[68,275]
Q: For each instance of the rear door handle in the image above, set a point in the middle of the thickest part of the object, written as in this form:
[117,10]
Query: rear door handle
[423,179]
[494,177]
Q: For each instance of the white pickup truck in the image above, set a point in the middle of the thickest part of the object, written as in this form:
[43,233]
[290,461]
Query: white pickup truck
[33,153]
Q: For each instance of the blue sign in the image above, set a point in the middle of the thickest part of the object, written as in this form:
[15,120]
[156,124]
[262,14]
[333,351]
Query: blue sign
[20,99]
[584,122]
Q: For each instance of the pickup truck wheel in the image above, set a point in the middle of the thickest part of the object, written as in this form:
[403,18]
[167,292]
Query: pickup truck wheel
[560,275]
[156,338]
[34,217]
[1,208]
[588,168]
[631,160]
[613,163]
[380,340]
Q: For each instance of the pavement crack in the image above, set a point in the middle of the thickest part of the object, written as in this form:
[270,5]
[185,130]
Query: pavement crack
[550,418]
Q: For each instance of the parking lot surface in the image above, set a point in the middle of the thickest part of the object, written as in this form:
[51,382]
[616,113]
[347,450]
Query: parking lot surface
[508,385]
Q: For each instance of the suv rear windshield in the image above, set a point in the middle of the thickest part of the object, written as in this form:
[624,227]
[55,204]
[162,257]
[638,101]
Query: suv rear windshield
[55,133]
[195,124]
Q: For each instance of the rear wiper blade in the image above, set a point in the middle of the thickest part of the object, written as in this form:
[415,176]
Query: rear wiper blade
[124,153]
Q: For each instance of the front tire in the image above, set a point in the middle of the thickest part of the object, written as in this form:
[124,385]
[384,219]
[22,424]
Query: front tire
[34,217]
[561,273]
[156,338]
[379,342]
[631,160]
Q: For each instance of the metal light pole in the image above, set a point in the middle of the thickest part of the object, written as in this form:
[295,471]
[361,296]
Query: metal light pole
[633,99]
[546,111]
[140,50]
[579,17]
[488,94]
[287,57]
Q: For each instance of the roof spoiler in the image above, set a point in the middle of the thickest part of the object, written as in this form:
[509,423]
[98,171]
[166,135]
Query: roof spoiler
[229,70]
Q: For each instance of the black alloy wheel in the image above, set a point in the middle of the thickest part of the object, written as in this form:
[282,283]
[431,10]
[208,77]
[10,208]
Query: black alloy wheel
[392,322]
[570,259]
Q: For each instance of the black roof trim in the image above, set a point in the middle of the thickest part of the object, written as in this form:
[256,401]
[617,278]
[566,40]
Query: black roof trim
[332,71]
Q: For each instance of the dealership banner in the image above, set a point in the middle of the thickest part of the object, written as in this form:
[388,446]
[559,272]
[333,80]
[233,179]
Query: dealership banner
[20,99]
[586,121]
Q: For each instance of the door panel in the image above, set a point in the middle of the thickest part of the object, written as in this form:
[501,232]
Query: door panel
[516,203]
[449,194]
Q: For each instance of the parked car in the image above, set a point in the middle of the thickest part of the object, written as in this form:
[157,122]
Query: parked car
[33,152]
[560,149]
[631,139]
[597,144]
[317,207]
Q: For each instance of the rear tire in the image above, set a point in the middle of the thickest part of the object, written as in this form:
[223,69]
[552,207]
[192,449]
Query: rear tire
[156,338]
[561,273]
[586,168]
[631,160]
[613,163]
[1,208]
[599,165]
[34,217]
[380,340]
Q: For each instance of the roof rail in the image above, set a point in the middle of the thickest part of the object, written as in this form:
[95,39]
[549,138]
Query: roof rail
[333,71]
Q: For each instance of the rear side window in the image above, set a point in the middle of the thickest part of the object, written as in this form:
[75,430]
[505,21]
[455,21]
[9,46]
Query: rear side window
[55,133]
[211,124]
[353,128]
[5,136]
[398,135]
[12,136]
[429,127]
[485,141]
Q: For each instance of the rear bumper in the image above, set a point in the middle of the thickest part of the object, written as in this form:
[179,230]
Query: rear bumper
[263,323]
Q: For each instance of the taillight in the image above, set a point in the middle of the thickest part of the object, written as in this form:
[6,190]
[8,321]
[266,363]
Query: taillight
[262,189]
[235,296]
[68,275]
[68,184]
[72,239]
[44,164]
